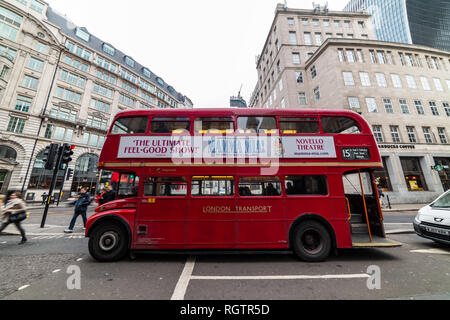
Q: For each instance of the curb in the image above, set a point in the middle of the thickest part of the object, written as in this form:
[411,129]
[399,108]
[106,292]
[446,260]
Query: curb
[401,231]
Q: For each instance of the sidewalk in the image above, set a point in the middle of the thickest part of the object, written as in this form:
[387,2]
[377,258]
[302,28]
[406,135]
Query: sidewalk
[404,207]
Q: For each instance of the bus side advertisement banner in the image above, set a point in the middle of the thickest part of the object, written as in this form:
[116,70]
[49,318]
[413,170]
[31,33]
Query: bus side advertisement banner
[154,147]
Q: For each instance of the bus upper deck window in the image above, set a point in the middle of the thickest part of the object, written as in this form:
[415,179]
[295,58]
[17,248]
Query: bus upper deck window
[266,125]
[214,125]
[132,125]
[342,125]
[299,125]
[171,125]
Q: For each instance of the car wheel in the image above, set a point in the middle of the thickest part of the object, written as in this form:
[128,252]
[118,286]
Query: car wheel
[108,242]
[312,241]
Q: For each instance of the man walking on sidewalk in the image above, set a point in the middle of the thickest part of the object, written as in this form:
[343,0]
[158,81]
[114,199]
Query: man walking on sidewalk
[81,207]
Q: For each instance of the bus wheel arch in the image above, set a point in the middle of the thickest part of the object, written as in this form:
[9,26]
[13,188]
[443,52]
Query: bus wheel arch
[317,227]
[109,239]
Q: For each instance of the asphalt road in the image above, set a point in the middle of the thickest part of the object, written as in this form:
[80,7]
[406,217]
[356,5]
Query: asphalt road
[48,267]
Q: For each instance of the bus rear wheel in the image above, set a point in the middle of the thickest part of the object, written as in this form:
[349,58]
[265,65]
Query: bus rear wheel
[108,243]
[312,241]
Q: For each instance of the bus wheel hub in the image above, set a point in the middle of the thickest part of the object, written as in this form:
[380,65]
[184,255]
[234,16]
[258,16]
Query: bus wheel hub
[108,240]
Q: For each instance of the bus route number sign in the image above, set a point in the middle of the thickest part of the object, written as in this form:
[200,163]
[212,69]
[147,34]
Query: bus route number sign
[355,154]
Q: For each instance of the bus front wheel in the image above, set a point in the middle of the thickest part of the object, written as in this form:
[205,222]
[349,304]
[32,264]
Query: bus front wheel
[108,242]
[312,241]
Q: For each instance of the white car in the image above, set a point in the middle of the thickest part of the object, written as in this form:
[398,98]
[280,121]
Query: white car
[433,221]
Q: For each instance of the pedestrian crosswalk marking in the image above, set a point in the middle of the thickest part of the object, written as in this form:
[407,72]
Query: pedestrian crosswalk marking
[431,251]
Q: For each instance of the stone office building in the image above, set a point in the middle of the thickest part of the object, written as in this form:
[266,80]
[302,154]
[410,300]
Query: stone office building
[332,60]
[61,84]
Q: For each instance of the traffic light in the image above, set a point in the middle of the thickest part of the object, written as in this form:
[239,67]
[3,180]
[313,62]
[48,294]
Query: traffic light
[69,174]
[50,154]
[67,154]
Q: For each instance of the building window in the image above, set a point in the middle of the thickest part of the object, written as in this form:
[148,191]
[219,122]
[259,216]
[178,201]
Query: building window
[129,61]
[16,125]
[381,57]
[106,64]
[109,49]
[404,106]
[23,103]
[446,108]
[302,98]
[411,134]
[299,76]
[4,72]
[419,107]
[434,109]
[280,85]
[381,80]
[341,55]
[361,25]
[350,55]
[64,114]
[315,22]
[317,93]
[318,39]
[96,122]
[313,72]
[438,84]
[415,180]
[365,79]
[360,56]
[425,83]
[36,64]
[100,105]
[305,22]
[346,24]
[427,134]
[378,133]
[73,78]
[371,105]
[337,23]
[41,47]
[448,84]
[290,21]
[354,104]
[296,58]
[372,57]
[382,177]
[307,38]
[348,79]
[68,95]
[443,135]
[395,134]
[82,34]
[37,6]
[411,82]
[126,100]
[396,81]
[388,106]
[106,77]
[10,23]
[293,37]
[30,82]
[326,23]
[104,91]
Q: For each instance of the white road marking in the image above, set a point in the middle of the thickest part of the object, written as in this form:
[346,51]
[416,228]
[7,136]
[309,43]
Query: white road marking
[283,277]
[183,281]
[23,287]
[79,259]
[57,270]
[431,251]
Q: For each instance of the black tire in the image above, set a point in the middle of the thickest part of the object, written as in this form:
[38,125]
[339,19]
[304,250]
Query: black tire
[311,241]
[108,242]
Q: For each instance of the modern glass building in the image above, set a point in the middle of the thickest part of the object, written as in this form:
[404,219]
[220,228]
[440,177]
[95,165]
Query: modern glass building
[409,21]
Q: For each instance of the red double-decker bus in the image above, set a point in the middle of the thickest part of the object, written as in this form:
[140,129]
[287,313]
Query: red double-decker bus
[239,179]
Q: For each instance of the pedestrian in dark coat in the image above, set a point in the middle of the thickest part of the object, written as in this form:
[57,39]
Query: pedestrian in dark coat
[109,196]
[81,207]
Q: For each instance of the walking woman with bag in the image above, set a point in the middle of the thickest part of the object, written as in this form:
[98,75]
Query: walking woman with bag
[16,212]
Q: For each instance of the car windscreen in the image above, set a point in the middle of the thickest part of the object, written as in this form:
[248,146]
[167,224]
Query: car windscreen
[442,202]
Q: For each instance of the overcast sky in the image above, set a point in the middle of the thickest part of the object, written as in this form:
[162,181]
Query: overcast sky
[205,49]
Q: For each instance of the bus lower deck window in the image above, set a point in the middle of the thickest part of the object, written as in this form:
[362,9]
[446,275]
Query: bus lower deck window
[128,185]
[212,186]
[306,185]
[131,125]
[171,125]
[165,187]
[259,186]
